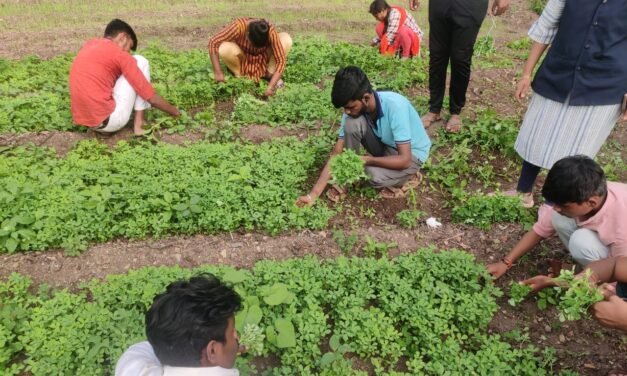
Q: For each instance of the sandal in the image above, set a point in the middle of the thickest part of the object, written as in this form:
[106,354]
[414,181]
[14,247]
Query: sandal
[430,118]
[454,124]
[335,193]
[413,182]
[392,192]
[526,199]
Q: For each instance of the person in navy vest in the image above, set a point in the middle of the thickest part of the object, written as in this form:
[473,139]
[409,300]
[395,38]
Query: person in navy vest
[579,87]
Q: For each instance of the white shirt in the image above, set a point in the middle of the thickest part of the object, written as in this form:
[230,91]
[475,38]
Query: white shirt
[140,360]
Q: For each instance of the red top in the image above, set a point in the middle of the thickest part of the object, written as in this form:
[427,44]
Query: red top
[96,68]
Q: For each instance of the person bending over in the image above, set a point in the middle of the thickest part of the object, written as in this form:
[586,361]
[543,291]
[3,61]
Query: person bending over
[107,82]
[252,48]
[586,212]
[397,31]
[190,330]
[388,127]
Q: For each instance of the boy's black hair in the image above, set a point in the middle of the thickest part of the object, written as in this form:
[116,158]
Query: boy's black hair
[351,83]
[378,5]
[258,32]
[574,179]
[185,318]
[117,26]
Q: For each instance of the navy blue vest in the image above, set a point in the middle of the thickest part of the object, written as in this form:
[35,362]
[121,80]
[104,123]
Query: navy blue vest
[588,57]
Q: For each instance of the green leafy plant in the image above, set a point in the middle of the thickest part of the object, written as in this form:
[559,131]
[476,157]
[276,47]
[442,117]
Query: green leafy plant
[517,293]
[346,242]
[373,248]
[252,338]
[347,168]
[573,296]
[482,211]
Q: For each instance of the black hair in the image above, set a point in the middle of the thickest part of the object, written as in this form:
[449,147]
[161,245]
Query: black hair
[574,179]
[258,32]
[378,5]
[187,316]
[351,83]
[118,26]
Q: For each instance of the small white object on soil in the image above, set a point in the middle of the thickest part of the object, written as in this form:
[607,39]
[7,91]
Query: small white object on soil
[433,223]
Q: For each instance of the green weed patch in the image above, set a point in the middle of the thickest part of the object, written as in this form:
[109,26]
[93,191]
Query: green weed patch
[95,194]
[424,313]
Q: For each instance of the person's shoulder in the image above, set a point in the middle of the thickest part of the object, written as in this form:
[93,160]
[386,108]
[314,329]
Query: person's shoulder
[619,190]
[393,99]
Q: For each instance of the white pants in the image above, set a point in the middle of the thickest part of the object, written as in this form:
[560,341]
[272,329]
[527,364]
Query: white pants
[583,244]
[126,99]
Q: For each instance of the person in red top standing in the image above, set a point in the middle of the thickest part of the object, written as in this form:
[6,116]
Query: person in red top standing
[397,32]
[107,82]
[252,48]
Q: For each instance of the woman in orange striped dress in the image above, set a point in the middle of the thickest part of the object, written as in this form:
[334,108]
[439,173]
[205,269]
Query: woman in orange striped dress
[252,48]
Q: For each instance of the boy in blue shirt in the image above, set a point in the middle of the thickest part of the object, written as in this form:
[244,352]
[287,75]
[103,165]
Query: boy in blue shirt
[386,125]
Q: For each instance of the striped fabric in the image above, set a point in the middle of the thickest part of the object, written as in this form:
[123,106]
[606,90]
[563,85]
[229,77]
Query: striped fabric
[393,23]
[552,130]
[255,62]
[544,29]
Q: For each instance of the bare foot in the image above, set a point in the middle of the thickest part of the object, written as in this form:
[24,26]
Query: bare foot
[138,123]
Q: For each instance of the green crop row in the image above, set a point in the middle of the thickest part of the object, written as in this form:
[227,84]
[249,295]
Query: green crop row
[424,313]
[96,194]
[35,94]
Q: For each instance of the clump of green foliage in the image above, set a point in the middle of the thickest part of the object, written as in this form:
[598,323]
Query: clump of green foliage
[252,338]
[94,194]
[537,5]
[517,293]
[572,296]
[482,211]
[426,313]
[347,168]
[409,218]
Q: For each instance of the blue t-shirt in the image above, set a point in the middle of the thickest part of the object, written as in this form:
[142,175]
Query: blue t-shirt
[398,123]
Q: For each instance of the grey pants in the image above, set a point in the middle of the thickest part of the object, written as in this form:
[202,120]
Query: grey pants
[358,133]
[583,244]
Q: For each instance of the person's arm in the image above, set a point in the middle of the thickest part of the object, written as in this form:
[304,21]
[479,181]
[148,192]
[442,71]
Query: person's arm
[522,88]
[524,245]
[392,162]
[499,7]
[323,180]
[228,33]
[608,270]
[157,101]
[394,22]
[281,61]
[611,313]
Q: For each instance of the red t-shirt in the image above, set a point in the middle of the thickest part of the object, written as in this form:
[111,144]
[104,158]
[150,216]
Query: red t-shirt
[96,68]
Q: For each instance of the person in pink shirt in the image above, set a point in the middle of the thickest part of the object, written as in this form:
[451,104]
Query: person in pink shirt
[586,212]
[107,82]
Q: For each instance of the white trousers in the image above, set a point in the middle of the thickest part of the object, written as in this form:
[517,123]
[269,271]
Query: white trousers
[126,99]
[583,244]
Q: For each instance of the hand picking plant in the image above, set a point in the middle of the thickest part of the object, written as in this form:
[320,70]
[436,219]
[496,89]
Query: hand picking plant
[252,338]
[572,295]
[347,168]
[517,293]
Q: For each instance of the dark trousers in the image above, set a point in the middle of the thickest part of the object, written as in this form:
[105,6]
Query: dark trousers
[453,29]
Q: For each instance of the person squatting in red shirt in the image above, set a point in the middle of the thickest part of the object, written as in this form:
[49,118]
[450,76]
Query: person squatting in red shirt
[107,82]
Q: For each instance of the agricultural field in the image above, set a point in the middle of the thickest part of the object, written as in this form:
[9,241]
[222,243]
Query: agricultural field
[93,227]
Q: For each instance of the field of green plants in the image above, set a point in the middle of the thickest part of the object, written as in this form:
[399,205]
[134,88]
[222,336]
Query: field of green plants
[428,312]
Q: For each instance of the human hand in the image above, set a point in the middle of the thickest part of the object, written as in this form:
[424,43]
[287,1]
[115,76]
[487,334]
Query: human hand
[612,312]
[499,7]
[269,92]
[522,88]
[539,282]
[306,200]
[219,76]
[414,4]
[497,269]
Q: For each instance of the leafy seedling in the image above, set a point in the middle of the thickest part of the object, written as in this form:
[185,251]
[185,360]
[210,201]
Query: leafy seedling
[252,338]
[517,293]
[347,168]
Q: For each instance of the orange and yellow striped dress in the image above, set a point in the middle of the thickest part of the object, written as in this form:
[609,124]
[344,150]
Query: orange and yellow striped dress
[255,62]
